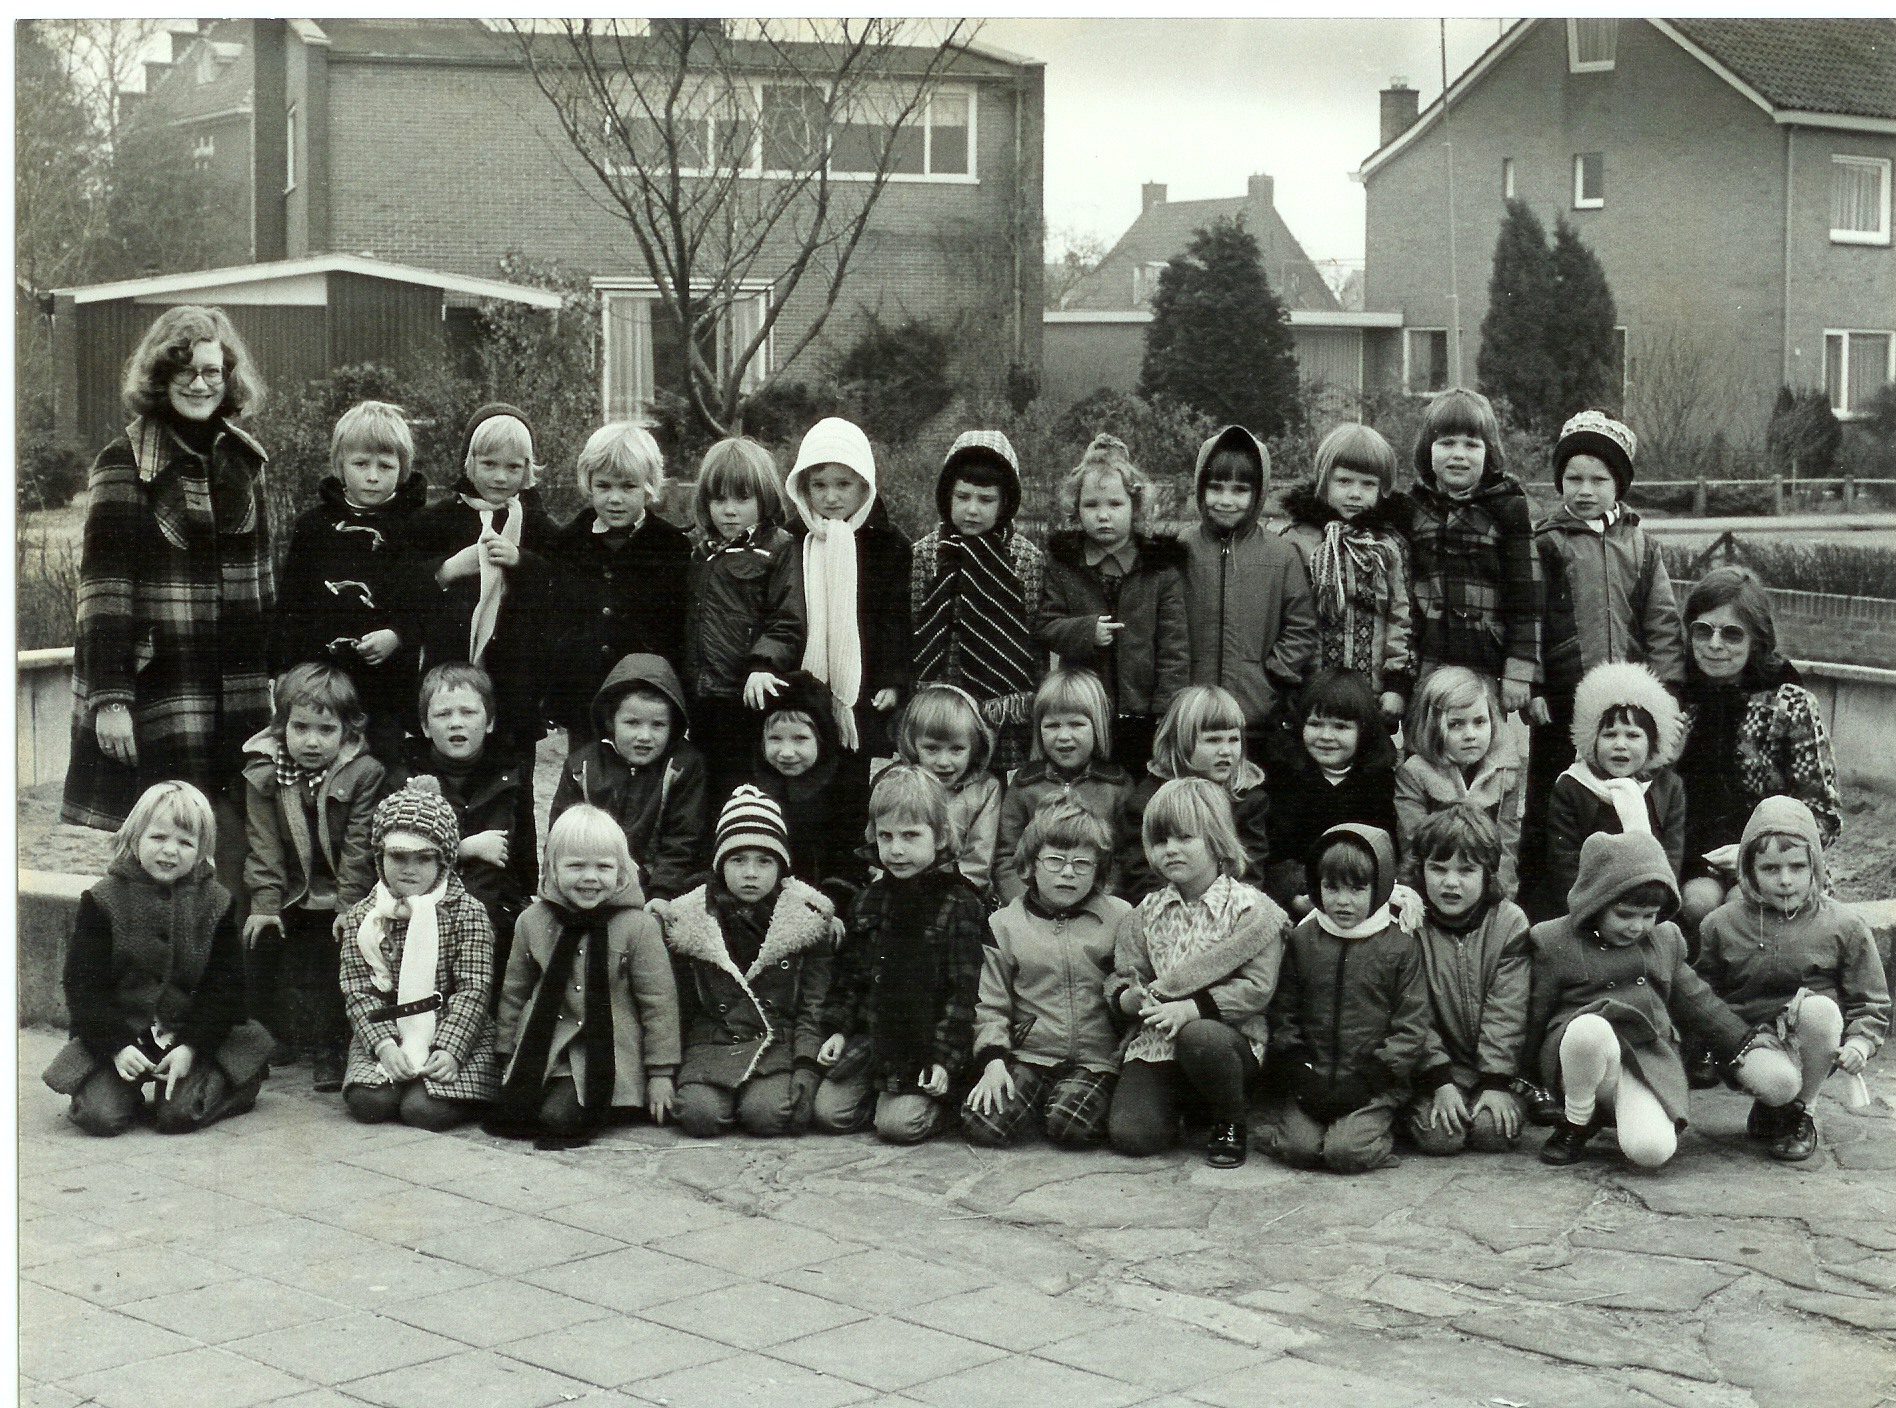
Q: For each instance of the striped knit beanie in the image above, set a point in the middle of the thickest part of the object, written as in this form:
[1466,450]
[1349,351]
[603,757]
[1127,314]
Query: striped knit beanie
[751,819]
[418,808]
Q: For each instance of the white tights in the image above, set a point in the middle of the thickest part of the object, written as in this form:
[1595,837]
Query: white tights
[1778,1077]
[1590,1074]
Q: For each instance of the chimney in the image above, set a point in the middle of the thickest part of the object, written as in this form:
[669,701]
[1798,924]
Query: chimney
[1262,191]
[1398,110]
[1150,194]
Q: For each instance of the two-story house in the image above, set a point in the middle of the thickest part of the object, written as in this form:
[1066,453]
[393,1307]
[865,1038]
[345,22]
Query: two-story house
[1733,176]
[426,143]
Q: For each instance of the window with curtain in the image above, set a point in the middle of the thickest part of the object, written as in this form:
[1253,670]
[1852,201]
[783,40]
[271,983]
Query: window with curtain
[643,353]
[1856,366]
[1859,200]
[1592,45]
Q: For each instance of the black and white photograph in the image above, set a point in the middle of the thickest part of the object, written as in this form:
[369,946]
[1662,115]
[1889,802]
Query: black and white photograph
[1091,710]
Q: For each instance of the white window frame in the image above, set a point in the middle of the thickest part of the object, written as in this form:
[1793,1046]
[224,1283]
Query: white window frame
[1145,281]
[203,151]
[1582,201]
[755,168]
[1408,364]
[1507,178]
[1879,236]
[1843,404]
[644,292]
[1575,64]
[289,149]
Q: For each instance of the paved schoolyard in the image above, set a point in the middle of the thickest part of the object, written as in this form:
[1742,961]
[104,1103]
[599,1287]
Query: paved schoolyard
[292,1257]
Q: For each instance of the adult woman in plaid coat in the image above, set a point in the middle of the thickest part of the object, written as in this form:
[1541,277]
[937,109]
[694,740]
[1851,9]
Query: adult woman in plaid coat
[170,674]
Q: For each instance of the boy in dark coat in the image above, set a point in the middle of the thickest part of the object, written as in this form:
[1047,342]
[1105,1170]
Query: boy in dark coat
[350,595]
[825,803]
[623,572]
[644,772]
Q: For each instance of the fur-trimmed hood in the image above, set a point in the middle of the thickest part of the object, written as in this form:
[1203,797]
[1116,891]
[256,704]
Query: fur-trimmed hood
[1391,513]
[798,922]
[1627,682]
[1067,546]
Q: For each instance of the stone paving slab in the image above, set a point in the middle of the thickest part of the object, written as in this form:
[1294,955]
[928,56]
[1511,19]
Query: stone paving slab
[295,1259]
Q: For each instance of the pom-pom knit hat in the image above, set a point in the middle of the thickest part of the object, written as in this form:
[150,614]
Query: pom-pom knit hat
[751,819]
[421,809]
[1598,434]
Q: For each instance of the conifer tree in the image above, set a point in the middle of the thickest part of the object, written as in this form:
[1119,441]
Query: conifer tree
[1515,364]
[1219,340]
[1581,340]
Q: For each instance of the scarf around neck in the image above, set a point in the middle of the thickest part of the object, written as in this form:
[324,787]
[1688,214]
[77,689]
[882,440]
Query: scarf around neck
[1626,795]
[1350,570]
[526,1082]
[832,649]
[416,994]
[976,604]
[493,577]
[1375,922]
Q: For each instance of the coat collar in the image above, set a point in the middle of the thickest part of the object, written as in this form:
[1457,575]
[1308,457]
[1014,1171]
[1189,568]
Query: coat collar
[151,439]
[263,748]
[798,923]
[1389,514]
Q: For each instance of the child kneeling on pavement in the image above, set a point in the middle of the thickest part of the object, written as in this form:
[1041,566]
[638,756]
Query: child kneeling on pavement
[1045,1041]
[751,953]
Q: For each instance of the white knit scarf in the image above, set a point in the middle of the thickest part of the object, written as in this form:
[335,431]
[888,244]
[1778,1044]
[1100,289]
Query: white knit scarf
[1375,922]
[493,577]
[832,649]
[1628,796]
[421,948]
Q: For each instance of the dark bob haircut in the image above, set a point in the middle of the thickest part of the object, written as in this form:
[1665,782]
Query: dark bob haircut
[1741,590]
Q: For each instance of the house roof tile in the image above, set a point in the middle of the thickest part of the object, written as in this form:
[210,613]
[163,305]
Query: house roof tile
[1838,66]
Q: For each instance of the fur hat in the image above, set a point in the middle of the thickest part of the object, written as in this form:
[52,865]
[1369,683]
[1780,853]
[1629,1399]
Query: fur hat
[1598,434]
[418,808]
[751,820]
[1625,682]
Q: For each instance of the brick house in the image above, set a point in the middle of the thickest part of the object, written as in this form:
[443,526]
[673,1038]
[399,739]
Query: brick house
[426,143]
[1733,176]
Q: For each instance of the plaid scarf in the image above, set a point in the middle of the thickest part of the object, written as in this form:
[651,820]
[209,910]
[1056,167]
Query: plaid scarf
[976,610]
[290,773]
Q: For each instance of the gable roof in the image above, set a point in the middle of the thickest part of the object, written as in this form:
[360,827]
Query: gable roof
[1818,72]
[182,99]
[208,281]
[1163,231]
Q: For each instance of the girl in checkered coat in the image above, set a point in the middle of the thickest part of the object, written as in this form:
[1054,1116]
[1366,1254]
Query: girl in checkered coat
[417,959]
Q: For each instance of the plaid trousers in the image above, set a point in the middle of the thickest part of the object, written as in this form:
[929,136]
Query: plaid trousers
[1070,1101]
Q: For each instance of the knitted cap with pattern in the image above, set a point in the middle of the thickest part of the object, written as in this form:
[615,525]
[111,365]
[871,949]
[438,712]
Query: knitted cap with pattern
[419,808]
[751,819]
[1596,433]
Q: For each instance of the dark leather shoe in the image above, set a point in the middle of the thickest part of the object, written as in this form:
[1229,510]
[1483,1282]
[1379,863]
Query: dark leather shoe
[325,1068]
[1701,1070]
[1797,1135]
[1226,1148]
[1762,1123]
[1567,1142]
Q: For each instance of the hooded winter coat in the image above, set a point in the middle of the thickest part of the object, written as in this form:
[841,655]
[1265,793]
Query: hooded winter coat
[1761,736]
[493,793]
[661,805]
[175,585]
[1423,789]
[1575,813]
[1607,596]
[1251,620]
[1350,1021]
[1250,809]
[882,605]
[291,863]
[760,1020]
[348,573]
[1380,617]
[1042,976]
[1150,660]
[1477,578]
[1759,958]
[1644,987]
[614,602]
[825,810]
[1103,788]
[1478,984]
[745,610]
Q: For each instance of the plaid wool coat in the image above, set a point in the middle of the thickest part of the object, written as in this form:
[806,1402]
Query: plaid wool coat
[1477,584]
[174,587]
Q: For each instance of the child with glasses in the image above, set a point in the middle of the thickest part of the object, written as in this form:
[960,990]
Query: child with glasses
[1044,1035]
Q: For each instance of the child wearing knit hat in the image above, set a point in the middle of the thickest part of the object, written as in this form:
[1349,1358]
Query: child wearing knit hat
[1606,598]
[417,963]
[751,951]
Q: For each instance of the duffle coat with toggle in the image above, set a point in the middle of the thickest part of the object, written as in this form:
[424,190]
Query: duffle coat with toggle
[760,1021]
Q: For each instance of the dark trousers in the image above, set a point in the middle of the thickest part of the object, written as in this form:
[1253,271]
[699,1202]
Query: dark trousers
[764,1106]
[1549,755]
[108,1104]
[1132,742]
[726,733]
[409,1102]
[1210,1067]
[295,982]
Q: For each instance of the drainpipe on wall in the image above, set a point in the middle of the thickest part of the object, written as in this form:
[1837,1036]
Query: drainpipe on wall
[1454,273]
[1790,138]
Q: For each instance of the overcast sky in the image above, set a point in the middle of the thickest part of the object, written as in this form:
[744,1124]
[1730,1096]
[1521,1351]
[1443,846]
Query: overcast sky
[1202,104]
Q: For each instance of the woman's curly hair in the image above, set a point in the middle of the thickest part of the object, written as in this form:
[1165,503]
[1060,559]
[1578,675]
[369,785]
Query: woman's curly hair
[166,349]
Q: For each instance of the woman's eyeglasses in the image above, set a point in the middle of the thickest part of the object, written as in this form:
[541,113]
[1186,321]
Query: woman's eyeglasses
[1704,633]
[184,376]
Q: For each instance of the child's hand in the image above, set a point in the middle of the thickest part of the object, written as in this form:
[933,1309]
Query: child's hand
[391,1058]
[832,1049]
[1537,711]
[1300,905]
[377,646]
[1133,999]
[883,700]
[440,1066]
[1505,1109]
[658,1097]
[1851,1058]
[131,1063]
[335,927]
[490,846]
[500,552]
[1448,1110]
[934,1081]
[255,926]
[1105,631]
[838,929]
[1406,905]
[659,909]
[174,1067]
[1392,706]
[1723,858]
[1514,695]
[465,563]
[760,688]
[1168,1018]
[994,1088]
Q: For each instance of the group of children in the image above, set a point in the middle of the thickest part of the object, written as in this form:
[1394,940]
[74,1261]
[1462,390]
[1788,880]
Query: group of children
[1099,898]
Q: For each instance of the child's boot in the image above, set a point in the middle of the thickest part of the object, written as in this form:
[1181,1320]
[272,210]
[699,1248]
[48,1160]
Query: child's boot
[325,1063]
[1227,1146]
[1568,1141]
[1763,1122]
[1796,1134]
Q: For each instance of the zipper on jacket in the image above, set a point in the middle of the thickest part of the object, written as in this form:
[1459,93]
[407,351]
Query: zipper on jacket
[1224,563]
[1336,1013]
